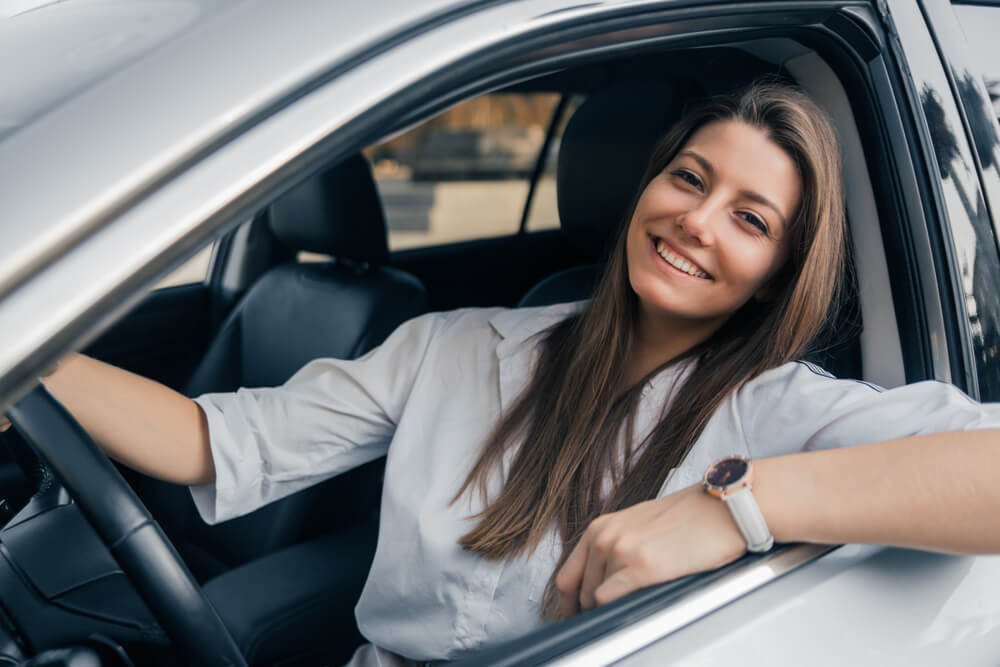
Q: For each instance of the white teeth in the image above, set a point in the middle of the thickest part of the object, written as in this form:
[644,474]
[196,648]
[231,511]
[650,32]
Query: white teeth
[678,262]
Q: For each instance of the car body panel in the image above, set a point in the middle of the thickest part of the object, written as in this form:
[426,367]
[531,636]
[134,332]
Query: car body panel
[859,605]
[146,120]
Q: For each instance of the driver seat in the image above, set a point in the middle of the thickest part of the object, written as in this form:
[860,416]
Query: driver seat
[292,314]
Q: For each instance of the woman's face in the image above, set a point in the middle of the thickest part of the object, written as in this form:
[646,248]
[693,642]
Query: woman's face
[709,231]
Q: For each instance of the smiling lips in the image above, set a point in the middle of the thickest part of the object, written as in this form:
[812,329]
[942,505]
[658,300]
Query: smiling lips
[678,262]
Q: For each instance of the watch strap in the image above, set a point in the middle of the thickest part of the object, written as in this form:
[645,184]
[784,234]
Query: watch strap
[749,519]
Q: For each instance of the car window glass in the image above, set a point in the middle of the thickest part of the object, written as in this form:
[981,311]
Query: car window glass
[981,25]
[195,270]
[465,174]
[543,211]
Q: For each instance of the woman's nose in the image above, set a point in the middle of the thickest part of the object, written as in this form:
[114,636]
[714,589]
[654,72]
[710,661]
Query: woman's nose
[699,222]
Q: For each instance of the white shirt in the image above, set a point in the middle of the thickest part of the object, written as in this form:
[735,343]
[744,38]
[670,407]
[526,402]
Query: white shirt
[429,397]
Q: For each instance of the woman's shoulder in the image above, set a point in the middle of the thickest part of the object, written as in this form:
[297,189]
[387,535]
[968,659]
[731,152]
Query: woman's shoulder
[799,390]
[800,376]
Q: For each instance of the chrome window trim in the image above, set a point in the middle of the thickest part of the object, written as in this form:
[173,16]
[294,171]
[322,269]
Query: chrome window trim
[691,606]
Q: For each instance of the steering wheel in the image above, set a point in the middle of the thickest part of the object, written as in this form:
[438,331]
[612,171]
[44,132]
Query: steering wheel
[126,528]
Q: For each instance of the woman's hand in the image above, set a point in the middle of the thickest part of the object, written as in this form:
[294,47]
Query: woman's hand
[649,543]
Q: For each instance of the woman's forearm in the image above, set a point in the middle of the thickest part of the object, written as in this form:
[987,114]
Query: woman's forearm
[938,492]
[139,422]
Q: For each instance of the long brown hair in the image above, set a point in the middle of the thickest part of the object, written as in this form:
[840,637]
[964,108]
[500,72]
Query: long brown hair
[569,420]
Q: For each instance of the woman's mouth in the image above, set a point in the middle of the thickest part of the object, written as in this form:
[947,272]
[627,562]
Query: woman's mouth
[676,261]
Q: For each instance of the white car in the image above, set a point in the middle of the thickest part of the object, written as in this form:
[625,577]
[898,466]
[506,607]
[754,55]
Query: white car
[213,193]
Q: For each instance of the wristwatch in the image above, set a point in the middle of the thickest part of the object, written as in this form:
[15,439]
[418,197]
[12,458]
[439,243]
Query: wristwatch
[730,479]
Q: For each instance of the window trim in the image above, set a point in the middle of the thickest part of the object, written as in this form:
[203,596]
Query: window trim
[610,633]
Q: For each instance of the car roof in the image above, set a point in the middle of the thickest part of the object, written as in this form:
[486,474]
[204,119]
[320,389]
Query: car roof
[110,98]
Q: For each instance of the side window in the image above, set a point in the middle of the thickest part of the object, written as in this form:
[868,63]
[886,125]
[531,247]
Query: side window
[981,25]
[466,173]
[195,270]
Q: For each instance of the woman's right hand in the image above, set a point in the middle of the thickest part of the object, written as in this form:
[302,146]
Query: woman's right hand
[4,423]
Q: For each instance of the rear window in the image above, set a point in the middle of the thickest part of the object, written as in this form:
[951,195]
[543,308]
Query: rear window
[467,173]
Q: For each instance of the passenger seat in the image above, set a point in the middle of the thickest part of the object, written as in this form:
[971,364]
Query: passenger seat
[602,157]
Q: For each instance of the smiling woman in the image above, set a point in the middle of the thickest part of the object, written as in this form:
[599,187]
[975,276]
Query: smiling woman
[757,305]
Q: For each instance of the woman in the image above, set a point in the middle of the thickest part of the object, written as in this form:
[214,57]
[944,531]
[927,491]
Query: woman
[547,460]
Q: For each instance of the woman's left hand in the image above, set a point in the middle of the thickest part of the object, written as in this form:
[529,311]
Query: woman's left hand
[649,543]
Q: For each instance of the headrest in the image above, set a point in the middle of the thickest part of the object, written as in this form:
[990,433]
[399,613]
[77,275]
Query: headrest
[603,155]
[336,212]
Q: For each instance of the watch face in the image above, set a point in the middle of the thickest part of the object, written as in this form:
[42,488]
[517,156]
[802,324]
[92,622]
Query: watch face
[727,471]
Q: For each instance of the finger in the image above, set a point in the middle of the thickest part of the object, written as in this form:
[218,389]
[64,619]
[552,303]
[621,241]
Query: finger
[568,605]
[4,424]
[623,582]
[593,575]
[570,576]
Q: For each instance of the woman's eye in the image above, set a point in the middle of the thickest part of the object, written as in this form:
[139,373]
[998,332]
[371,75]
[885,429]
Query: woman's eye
[687,177]
[754,220]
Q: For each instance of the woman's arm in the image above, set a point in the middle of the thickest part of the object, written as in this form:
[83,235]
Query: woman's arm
[936,492]
[143,424]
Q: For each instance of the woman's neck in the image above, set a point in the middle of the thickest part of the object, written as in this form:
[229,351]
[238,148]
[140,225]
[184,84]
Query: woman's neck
[659,338]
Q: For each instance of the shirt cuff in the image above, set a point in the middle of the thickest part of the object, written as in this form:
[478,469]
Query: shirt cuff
[237,467]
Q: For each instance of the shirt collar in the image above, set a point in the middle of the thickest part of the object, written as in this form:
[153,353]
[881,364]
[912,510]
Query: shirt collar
[517,325]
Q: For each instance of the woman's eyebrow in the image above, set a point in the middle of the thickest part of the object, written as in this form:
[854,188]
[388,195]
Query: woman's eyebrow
[748,194]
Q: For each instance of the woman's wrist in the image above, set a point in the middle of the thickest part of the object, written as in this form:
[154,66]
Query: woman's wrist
[785,497]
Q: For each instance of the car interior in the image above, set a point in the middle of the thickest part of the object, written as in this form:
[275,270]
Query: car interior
[285,578]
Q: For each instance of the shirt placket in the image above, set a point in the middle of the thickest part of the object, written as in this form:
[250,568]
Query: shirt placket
[481,588]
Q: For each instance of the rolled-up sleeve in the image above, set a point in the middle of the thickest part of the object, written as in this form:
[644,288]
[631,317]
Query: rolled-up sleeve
[331,416]
[799,407]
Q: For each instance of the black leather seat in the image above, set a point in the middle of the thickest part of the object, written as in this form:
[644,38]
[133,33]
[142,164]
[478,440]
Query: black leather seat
[296,312]
[602,156]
